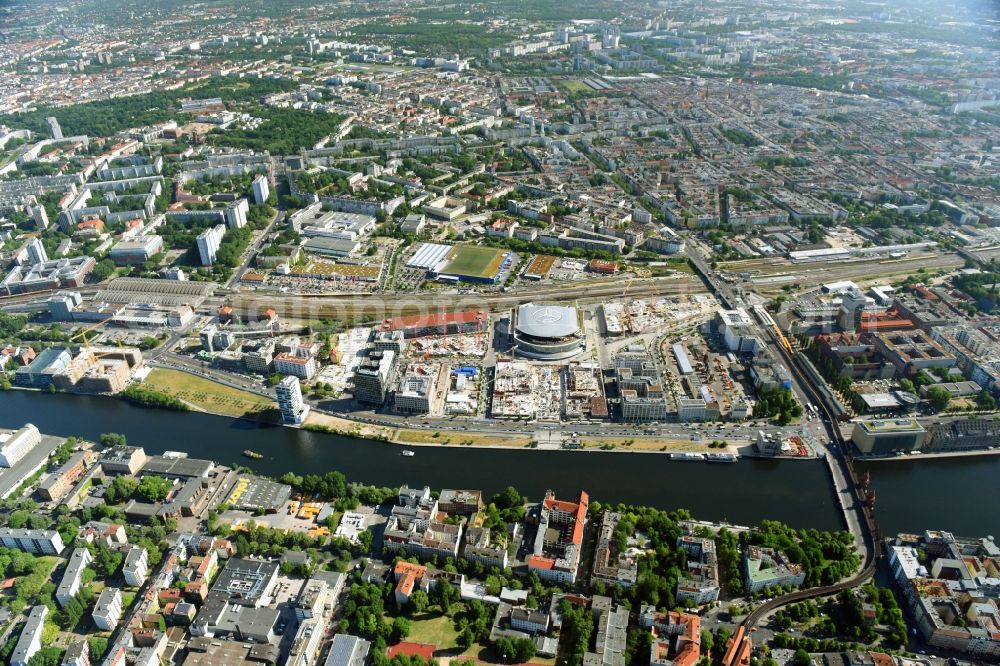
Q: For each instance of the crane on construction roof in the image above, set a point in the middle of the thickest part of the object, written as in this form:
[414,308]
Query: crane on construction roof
[627,285]
[83,335]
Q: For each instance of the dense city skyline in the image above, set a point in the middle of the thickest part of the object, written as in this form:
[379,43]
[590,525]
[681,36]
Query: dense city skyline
[594,333]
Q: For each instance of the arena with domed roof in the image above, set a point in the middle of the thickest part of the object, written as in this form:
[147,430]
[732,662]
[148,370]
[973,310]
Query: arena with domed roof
[548,332]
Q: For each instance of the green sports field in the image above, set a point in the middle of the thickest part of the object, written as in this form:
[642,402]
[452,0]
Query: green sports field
[482,262]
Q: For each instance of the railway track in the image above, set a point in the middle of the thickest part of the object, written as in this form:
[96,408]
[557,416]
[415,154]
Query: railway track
[865,521]
[759,613]
[40,295]
[379,306]
[853,268]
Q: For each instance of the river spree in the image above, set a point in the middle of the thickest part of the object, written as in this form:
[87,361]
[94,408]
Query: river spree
[913,495]
[960,495]
[796,492]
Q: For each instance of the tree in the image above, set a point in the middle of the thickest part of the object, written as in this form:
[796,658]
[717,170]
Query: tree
[146,397]
[707,643]
[939,397]
[801,658]
[107,561]
[122,488]
[517,650]
[508,498]
[154,488]
[98,646]
[75,608]
[104,269]
[729,561]
[11,325]
[400,629]
[493,585]
[418,602]
[444,596]
[365,543]
[465,638]
[113,439]
[149,342]
[578,625]
[50,656]
[50,632]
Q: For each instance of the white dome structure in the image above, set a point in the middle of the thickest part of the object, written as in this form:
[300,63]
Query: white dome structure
[547,332]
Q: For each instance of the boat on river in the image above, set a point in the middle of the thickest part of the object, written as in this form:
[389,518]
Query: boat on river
[687,456]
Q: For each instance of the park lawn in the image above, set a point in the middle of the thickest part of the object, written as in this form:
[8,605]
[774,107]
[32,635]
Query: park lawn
[458,437]
[339,426]
[238,85]
[646,444]
[205,394]
[436,629]
[51,561]
[661,444]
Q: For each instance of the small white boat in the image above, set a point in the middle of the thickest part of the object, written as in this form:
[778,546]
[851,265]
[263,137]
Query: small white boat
[408,453]
[687,456]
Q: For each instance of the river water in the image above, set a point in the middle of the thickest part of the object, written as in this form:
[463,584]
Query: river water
[795,492]
[960,495]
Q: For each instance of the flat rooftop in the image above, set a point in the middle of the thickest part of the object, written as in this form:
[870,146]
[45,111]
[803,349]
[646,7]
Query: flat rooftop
[892,425]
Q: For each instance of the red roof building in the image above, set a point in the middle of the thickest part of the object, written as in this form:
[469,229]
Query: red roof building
[557,555]
[602,266]
[738,649]
[890,320]
[676,639]
[443,323]
[408,576]
[91,225]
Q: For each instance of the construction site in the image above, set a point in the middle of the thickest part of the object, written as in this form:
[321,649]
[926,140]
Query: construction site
[525,391]
[642,316]
[428,365]
[79,367]
[704,384]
